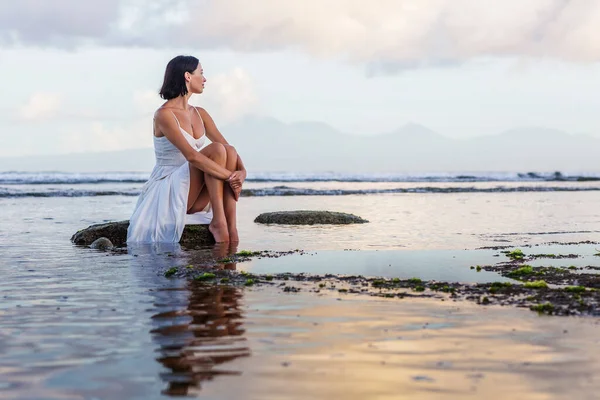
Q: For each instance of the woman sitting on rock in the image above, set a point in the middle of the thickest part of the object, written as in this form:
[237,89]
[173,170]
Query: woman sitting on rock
[190,183]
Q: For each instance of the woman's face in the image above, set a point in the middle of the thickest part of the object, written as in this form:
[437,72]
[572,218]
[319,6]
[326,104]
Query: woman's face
[196,80]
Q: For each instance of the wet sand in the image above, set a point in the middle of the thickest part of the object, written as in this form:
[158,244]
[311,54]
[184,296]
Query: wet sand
[268,345]
[321,341]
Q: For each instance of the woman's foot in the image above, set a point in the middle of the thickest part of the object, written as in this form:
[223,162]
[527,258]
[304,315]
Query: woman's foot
[233,235]
[219,232]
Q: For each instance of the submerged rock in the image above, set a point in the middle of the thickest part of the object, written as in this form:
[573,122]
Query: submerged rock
[309,218]
[116,232]
[102,244]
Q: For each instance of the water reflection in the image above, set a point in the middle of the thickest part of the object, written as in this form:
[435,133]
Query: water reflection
[193,349]
[198,327]
[166,255]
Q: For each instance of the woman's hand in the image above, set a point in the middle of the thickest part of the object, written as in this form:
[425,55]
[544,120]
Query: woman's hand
[236,180]
[237,192]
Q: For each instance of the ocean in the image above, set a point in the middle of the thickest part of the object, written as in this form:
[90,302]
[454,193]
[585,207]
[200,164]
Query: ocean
[80,323]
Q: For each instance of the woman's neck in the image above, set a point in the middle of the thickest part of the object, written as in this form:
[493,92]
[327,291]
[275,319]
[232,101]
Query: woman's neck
[180,102]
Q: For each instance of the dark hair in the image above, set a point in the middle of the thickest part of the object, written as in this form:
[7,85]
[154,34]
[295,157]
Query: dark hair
[174,83]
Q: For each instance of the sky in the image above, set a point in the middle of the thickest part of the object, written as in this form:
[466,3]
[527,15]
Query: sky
[83,76]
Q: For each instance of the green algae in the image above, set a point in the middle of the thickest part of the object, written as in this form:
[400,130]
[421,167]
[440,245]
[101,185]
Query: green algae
[536,285]
[516,254]
[205,276]
[497,286]
[170,272]
[574,289]
[247,253]
[440,287]
[545,308]
[524,271]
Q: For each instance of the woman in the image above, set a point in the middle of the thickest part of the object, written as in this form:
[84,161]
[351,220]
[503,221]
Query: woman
[189,182]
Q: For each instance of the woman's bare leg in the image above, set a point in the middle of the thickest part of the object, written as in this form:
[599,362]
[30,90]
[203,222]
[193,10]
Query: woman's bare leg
[218,226]
[229,203]
[201,201]
[196,187]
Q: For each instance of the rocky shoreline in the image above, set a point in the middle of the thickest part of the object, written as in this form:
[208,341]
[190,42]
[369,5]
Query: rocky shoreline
[547,290]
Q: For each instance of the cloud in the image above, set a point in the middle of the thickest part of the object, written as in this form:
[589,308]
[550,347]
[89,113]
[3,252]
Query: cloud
[146,101]
[383,34]
[41,105]
[98,136]
[405,33]
[57,22]
[229,96]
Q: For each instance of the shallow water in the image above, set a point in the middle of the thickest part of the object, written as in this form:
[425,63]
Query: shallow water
[178,338]
[78,323]
[397,221]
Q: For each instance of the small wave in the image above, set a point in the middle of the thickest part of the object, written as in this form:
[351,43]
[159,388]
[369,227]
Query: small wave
[65,193]
[41,178]
[49,178]
[425,178]
[291,191]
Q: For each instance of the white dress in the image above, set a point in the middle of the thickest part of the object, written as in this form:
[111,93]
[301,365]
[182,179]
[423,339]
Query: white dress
[161,210]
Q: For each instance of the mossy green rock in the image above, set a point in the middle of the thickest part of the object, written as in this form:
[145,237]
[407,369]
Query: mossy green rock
[309,218]
[102,244]
[116,232]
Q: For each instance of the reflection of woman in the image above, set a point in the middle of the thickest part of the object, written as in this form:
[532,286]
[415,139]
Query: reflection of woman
[204,183]
[212,337]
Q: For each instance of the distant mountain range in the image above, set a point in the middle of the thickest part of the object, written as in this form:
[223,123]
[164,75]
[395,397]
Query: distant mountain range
[267,144]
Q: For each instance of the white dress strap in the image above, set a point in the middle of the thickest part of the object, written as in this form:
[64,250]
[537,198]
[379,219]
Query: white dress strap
[201,120]
[198,112]
[175,116]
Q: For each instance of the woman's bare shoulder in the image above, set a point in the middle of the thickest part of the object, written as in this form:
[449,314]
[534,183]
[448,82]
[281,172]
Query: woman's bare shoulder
[203,113]
[162,112]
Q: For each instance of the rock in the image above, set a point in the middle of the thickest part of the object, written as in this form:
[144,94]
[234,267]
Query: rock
[116,232]
[309,218]
[101,244]
[196,235]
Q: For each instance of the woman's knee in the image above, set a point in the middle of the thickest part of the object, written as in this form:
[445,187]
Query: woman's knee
[217,151]
[230,150]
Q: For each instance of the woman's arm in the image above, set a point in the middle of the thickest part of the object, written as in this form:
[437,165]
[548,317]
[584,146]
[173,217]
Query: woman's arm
[168,126]
[213,133]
